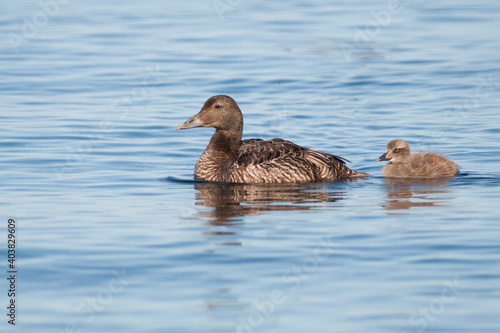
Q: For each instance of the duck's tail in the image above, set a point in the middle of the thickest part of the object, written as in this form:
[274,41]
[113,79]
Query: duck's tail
[357,174]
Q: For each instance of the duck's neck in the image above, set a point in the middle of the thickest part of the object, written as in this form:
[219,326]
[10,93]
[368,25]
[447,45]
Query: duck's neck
[223,147]
[218,157]
[227,142]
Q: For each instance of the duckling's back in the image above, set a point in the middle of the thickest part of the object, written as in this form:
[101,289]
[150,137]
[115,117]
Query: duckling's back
[422,165]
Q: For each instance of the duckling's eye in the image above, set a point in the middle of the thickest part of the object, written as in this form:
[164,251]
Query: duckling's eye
[396,150]
[217,106]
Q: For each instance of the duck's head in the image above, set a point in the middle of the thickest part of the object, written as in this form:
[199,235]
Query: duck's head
[398,151]
[220,112]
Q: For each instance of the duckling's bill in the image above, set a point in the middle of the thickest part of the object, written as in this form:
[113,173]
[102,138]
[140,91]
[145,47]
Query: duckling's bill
[383,157]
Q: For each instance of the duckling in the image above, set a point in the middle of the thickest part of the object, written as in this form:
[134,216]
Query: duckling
[227,158]
[403,164]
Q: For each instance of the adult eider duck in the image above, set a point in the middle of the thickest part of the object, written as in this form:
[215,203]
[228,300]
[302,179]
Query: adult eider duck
[227,158]
[403,164]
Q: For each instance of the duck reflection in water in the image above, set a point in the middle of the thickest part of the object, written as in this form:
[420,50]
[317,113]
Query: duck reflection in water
[230,202]
[405,193]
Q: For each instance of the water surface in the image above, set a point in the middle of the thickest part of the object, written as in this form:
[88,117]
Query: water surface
[114,234]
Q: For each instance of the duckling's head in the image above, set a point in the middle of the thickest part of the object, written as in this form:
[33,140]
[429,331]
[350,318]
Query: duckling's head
[398,151]
[220,112]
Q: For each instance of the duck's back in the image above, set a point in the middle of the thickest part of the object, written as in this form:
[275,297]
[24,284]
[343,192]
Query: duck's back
[282,161]
[422,165]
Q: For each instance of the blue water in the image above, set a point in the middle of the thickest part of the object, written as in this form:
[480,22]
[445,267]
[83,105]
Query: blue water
[114,236]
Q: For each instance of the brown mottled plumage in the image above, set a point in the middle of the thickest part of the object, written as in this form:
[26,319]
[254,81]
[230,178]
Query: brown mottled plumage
[403,164]
[227,158]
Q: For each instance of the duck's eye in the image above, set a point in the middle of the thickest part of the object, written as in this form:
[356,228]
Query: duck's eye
[396,150]
[217,106]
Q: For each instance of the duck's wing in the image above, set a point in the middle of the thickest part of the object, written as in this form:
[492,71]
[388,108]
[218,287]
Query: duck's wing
[258,151]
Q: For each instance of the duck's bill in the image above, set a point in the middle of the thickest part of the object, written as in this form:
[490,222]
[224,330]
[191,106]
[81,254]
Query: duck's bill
[191,123]
[383,158]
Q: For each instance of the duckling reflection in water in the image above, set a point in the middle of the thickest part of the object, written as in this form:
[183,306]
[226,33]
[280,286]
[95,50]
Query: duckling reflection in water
[403,164]
[406,193]
[227,158]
